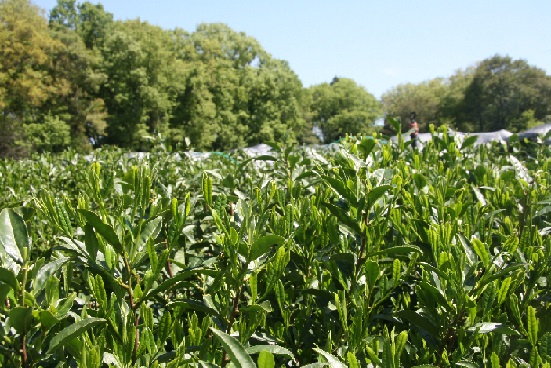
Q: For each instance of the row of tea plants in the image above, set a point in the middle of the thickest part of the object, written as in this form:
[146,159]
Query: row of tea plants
[368,255]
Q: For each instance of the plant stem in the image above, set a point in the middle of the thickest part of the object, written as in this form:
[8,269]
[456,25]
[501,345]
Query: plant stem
[24,357]
[233,313]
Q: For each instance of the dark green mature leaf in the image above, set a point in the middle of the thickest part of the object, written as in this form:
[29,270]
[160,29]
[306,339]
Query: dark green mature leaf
[545,345]
[13,235]
[263,245]
[72,331]
[419,180]
[90,240]
[46,271]
[197,306]
[173,281]
[343,217]
[7,277]
[151,229]
[543,211]
[105,230]
[434,294]
[420,321]
[21,318]
[341,189]
[235,350]
[265,158]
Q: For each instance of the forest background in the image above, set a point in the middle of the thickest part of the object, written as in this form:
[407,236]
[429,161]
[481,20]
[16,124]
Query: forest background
[80,79]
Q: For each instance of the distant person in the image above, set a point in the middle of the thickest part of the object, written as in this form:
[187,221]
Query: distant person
[414,128]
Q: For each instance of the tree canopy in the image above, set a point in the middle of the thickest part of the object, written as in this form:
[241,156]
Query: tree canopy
[497,93]
[81,79]
[342,107]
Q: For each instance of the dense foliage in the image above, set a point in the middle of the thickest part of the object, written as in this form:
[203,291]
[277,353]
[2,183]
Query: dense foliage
[498,93]
[368,255]
[81,79]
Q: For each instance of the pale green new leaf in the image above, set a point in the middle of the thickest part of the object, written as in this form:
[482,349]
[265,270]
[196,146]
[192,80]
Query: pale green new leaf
[206,184]
[482,251]
[532,326]
[266,360]
[333,361]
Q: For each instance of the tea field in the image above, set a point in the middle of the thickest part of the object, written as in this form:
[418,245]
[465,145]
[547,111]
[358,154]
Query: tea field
[369,255]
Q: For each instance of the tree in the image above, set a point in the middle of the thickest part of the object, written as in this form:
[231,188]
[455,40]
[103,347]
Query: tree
[502,89]
[450,103]
[90,21]
[342,107]
[142,81]
[424,99]
[26,50]
[235,94]
[81,107]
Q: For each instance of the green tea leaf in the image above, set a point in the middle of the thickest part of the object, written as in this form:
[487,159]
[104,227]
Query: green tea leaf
[266,360]
[7,277]
[469,141]
[420,321]
[235,350]
[72,331]
[105,230]
[481,250]
[21,318]
[532,326]
[333,361]
[174,281]
[13,236]
[376,193]
[46,271]
[207,189]
[340,188]
[263,245]
[400,249]
[274,349]
[197,306]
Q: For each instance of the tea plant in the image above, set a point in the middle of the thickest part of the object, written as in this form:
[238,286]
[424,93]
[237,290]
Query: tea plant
[373,254]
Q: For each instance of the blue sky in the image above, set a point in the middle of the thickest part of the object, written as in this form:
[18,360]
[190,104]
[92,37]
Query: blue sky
[379,44]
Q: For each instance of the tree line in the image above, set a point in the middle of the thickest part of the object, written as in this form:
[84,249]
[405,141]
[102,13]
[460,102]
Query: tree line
[79,78]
